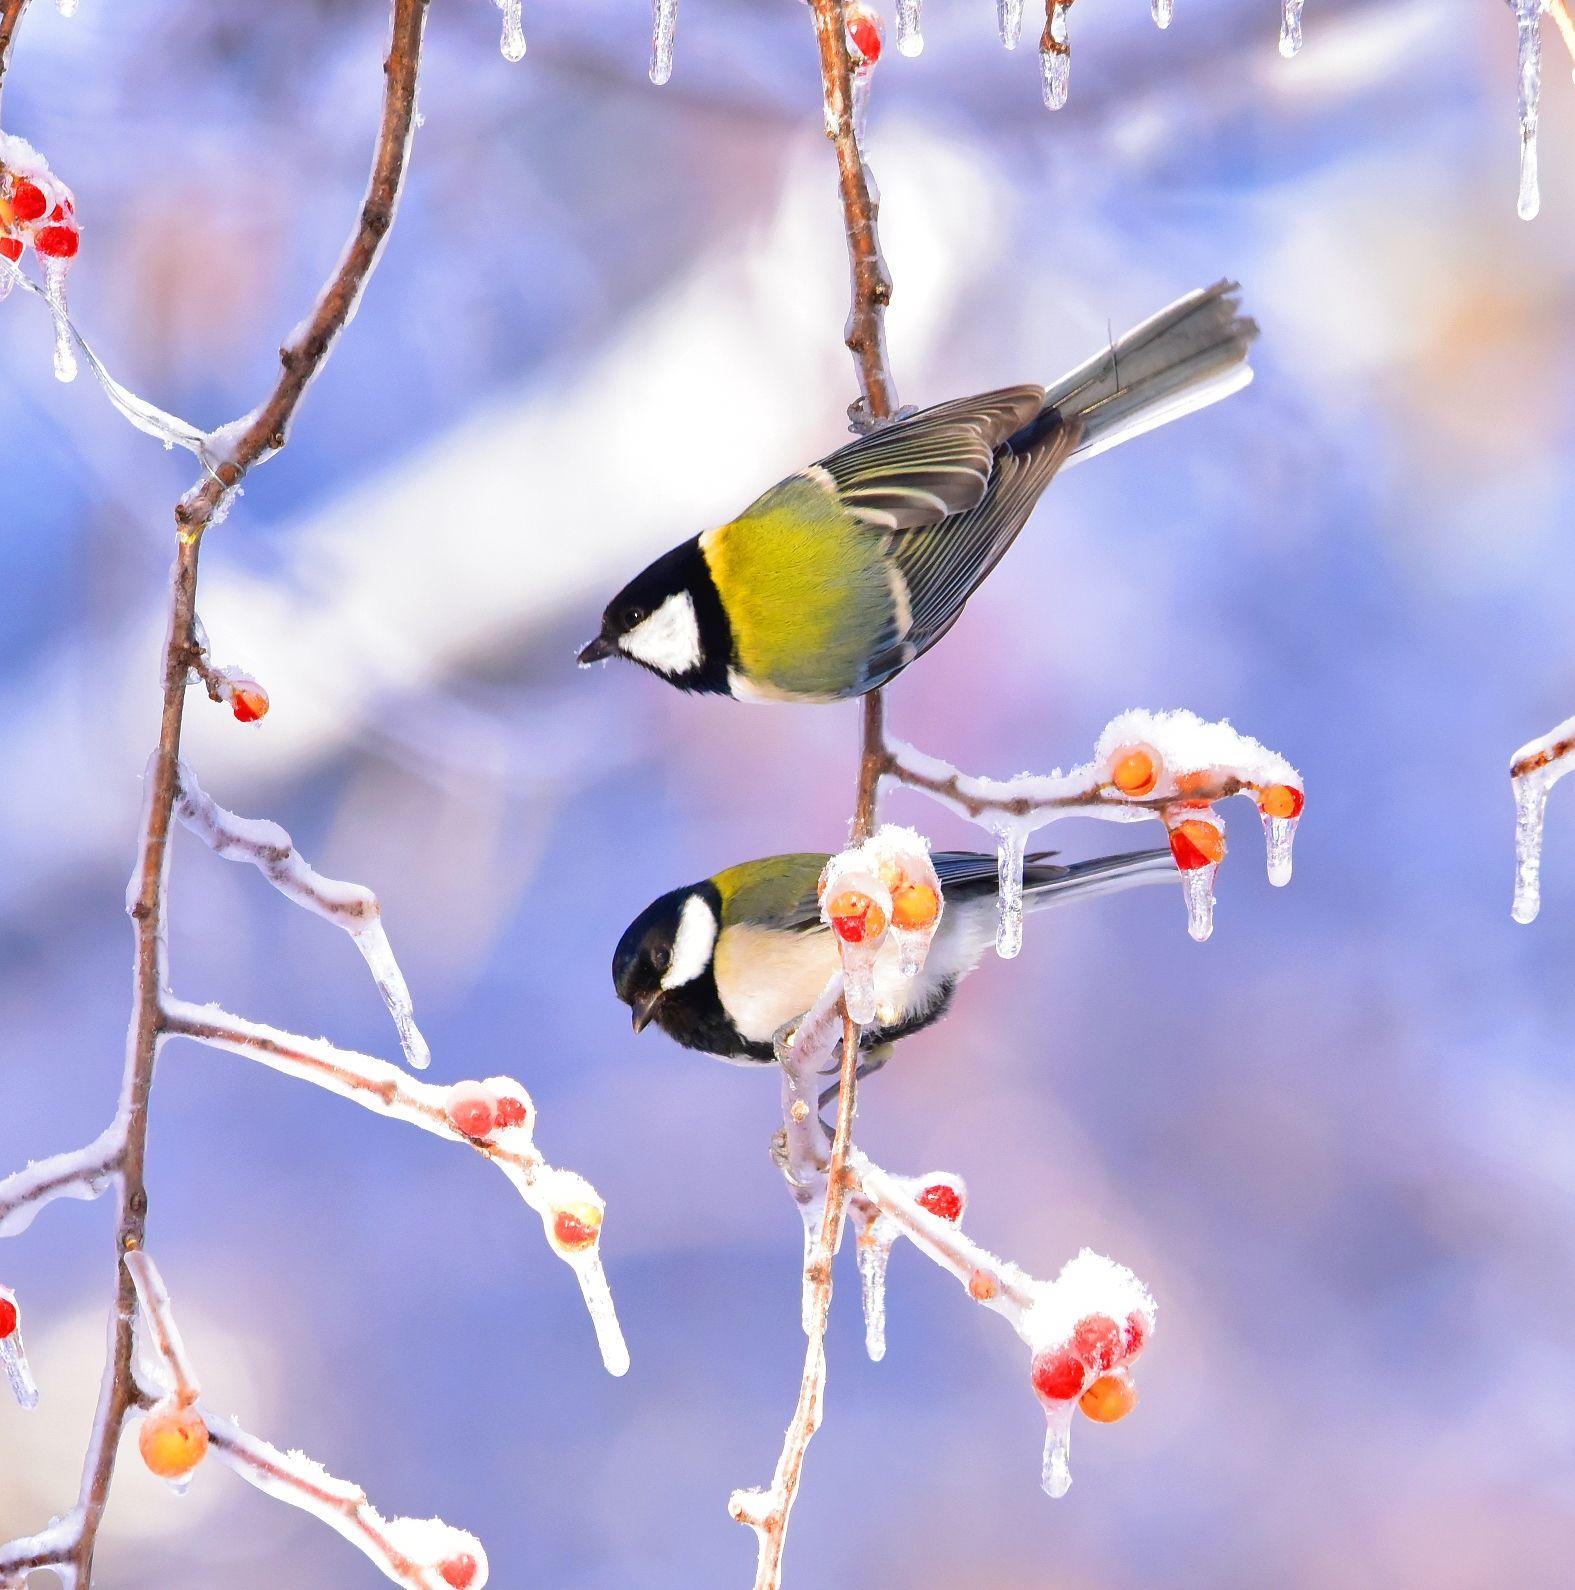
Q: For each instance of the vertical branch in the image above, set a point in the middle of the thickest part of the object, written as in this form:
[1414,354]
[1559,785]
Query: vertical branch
[10,14]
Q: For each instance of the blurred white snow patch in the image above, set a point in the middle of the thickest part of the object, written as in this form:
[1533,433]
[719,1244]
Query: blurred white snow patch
[41,1453]
[1364,49]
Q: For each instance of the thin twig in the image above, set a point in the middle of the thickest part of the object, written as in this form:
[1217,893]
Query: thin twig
[10,15]
[243,445]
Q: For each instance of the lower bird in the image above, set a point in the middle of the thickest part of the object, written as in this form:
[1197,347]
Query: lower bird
[835,579]
[723,964]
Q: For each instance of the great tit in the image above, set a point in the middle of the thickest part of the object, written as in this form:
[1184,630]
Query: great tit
[721,965]
[839,576]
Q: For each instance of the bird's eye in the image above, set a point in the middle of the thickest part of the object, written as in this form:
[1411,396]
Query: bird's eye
[660,956]
[631,615]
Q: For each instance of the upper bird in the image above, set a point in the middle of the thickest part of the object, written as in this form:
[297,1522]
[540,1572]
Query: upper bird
[839,576]
[721,965]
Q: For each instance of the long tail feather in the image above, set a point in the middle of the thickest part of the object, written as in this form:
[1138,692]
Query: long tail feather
[1049,883]
[1187,356]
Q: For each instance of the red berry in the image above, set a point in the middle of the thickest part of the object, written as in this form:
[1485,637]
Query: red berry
[1136,1335]
[7,1317]
[459,1571]
[576,1227]
[1058,1375]
[472,1108]
[943,1200]
[28,200]
[1195,844]
[57,242]
[11,248]
[855,917]
[248,701]
[63,209]
[864,31]
[512,1111]
[1097,1340]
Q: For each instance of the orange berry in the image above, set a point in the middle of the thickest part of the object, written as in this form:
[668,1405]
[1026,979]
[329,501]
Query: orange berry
[1281,800]
[248,701]
[855,918]
[1135,770]
[981,1286]
[1195,844]
[576,1226]
[915,905]
[173,1441]
[1110,1398]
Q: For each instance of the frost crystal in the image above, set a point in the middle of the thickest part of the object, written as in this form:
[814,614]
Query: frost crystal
[513,43]
[1290,27]
[664,19]
[1528,25]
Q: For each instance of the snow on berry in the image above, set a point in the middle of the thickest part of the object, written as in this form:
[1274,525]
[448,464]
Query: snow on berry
[901,857]
[856,906]
[472,1108]
[13,1357]
[37,208]
[450,1553]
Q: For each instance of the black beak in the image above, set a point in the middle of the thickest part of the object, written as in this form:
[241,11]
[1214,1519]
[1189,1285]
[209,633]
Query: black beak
[598,650]
[643,1010]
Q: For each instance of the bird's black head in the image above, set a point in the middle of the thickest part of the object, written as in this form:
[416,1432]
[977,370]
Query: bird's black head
[662,969]
[670,620]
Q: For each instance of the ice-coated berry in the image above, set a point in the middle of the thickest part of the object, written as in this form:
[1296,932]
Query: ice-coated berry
[1196,843]
[7,1317]
[28,201]
[865,31]
[57,242]
[914,905]
[173,1441]
[512,1111]
[248,701]
[1136,1336]
[576,1226]
[942,1199]
[1098,1341]
[471,1108]
[11,248]
[459,1571]
[1058,1375]
[1281,800]
[1111,1397]
[855,918]
[1135,770]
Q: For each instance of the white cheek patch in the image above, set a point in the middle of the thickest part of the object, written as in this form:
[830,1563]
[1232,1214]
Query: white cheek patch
[669,640]
[692,944]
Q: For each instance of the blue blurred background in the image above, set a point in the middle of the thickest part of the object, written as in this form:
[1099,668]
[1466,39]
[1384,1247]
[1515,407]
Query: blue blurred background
[1336,1140]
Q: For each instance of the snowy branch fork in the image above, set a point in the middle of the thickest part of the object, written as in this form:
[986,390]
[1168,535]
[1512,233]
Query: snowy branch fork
[570,1210]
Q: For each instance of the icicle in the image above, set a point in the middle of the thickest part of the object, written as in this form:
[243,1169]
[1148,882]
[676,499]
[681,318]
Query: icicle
[1278,832]
[9,277]
[875,1244]
[1197,885]
[664,18]
[1009,21]
[910,38]
[1056,1476]
[1531,799]
[513,44]
[1055,57]
[813,1213]
[373,944]
[1161,10]
[55,291]
[1290,27]
[1528,23]
[1010,843]
[588,1271]
[12,1355]
[863,76]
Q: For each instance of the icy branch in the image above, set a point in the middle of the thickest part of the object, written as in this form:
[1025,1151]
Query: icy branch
[178,1431]
[501,1129]
[269,848]
[81,1173]
[1533,770]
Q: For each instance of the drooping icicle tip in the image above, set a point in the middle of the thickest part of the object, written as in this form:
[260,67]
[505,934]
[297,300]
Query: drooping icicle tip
[1290,27]
[513,41]
[910,35]
[1528,58]
[1009,21]
[1534,770]
[664,20]
[1161,10]
[1055,56]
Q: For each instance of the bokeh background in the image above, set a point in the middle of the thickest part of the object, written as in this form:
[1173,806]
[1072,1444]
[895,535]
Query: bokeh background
[1337,1139]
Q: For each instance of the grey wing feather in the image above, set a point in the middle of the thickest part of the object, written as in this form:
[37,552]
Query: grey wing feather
[936,464]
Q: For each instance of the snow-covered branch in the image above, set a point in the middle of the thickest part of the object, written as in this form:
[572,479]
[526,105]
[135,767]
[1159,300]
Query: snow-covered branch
[80,1173]
[178,1432]
[269,848]
[1533,770]
[495,1117]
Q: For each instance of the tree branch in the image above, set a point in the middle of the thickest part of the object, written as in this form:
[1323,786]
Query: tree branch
[10,15]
